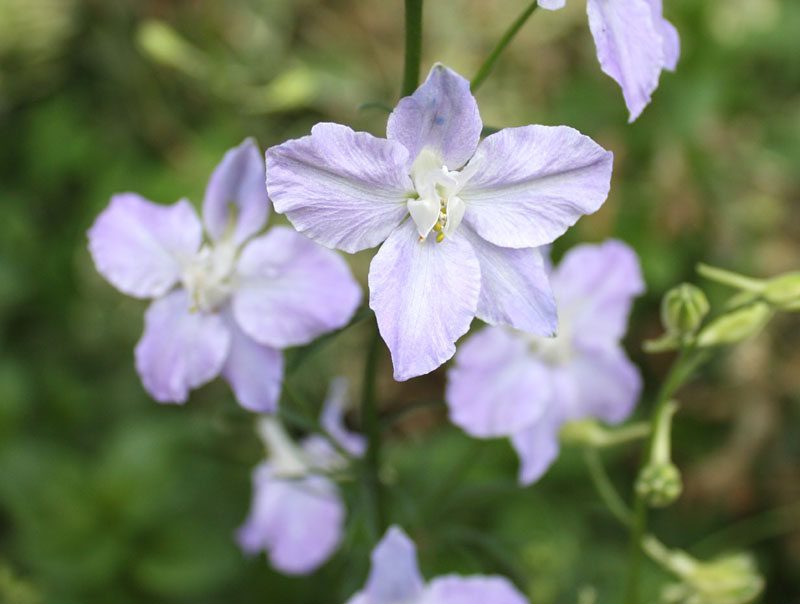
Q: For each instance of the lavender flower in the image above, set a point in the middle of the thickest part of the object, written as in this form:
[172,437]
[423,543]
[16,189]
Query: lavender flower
[395,577]
[477,214]
[297,513]
[509,383]
[227,305]
[634,43]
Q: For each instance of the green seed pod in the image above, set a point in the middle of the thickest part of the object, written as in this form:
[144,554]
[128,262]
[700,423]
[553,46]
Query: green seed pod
[784,291]
[736,326]
[659,484]
[683,309]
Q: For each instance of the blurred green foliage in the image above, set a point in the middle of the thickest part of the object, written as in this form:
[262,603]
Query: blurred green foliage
[106,496]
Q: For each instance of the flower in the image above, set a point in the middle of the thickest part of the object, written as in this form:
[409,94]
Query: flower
[297,513]
[509,383]
[227,305]
[634,43]
[478,211]
[395,578]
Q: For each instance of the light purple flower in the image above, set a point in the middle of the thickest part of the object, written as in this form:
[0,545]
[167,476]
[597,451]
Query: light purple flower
[228,305]
[634,44]
[395,579]
[297,514]
[461,219]
[510,383]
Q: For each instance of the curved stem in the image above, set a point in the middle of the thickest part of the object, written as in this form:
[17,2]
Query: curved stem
[605,488]
[413,46]
[372,428]
[488,64]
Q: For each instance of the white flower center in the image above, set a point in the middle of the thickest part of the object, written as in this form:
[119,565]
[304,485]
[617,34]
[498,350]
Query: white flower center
[556,351]
[437,206]
[208,275]
[285,457]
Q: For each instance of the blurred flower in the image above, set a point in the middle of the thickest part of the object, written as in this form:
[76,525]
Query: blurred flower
[239,299]
[510,383]
[634,43]
[395,578]
[297,513]
[518,189]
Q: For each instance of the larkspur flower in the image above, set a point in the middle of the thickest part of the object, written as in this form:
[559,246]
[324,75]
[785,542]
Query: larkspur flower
[227,305]
[297,513]
[478,212]
[395,578]
[509,383]
[634,44]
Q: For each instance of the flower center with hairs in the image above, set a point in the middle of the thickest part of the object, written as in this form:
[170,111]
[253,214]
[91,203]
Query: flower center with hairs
[437,206]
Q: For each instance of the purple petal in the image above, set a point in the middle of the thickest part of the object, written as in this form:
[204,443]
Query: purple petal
[137,245]
[453,589]
[495,388]
[297,521]
[344,189]
[537,445]
[669,35]
[424,296]
[394,576]
[442,115]
[530,184]
[595,286]
[237,184]
[552,4]
[332,419]
[629,46]
[179,349]
[292,290]
[254,371]
[515,289]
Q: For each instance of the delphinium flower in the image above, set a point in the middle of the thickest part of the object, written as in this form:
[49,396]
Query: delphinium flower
[634,44]
[297,513]
[228,304]
[510,383]
[460,219]
[395,578]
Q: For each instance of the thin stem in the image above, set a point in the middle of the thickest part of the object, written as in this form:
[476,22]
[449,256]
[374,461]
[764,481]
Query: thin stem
[730,278]
[488,64]
[744,533]
[413,46]
[372,428]
[605,488]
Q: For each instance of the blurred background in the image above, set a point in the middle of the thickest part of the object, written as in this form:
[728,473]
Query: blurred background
[106,496]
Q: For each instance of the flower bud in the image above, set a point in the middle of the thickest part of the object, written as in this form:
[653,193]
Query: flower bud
[659,484]
[784,291]
[683,309]
[736,326]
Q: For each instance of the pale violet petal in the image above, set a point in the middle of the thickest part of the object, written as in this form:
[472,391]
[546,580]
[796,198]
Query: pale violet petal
[630,47]
[424,295]
[138,245]
[595,286]
[236,195]
[394,574]
[537,445]
[669,35]
[292,290]
[552,4]
[453,589]
[494,388]
[332,419]
[179,349]
[442,115]
[528,185]
[344,189]
[254,371]
[515,288]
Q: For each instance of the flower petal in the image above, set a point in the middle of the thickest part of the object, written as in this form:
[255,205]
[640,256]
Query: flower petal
[671,39]
[453,589]
[515,289]
[239,181]
[254,371]
[292,290]
[530,184]
[298,521]
[629,47]
[332,419]
[442,115]
[537,445]
[344,189]
[179,350]
[595,286]
[495,388]
[424,295]
[552,4]
[137,245]
[394,575]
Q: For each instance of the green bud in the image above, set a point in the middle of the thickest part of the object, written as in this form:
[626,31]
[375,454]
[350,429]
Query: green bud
[683,309]
[659,484]
[736,326]
[784,291]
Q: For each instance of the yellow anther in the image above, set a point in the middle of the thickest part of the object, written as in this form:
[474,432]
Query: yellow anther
[439,237]
[437,227]
[443,210]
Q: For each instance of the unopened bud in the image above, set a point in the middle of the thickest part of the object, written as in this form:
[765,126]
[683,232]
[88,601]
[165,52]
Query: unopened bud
[736,326]
[784,291]
[659,484]
[683,309]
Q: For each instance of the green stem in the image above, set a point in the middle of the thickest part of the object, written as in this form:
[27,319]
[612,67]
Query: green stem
[730,278]
[413,46]
[372,428]
[605,488]
[488,64]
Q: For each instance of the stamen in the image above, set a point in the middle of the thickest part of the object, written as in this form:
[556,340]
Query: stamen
[439,237]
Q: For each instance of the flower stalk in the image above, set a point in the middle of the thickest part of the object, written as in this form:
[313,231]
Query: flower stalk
[413,56]
[372,428]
